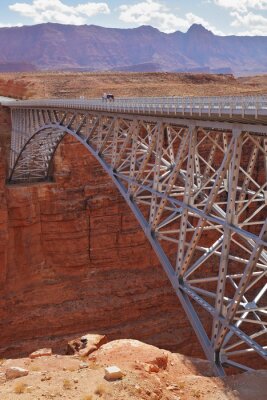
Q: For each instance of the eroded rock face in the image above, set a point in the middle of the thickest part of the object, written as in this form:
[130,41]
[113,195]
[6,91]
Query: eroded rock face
[4,145]
[74,261]
[14,88]
[86,345]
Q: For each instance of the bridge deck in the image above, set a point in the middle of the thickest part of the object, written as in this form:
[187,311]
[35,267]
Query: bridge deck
[245,109]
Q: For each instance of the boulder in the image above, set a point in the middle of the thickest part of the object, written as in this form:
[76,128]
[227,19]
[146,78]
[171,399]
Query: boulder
[16,372]
[86,344]
[113,373]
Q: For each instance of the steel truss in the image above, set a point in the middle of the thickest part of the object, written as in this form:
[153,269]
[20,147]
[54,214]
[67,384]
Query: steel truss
[198,190]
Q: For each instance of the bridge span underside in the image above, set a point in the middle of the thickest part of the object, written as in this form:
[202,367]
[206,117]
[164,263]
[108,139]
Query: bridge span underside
[198,190]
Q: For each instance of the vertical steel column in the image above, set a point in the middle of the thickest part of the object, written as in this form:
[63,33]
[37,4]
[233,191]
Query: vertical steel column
[157,167]
[230,218]
[187,198]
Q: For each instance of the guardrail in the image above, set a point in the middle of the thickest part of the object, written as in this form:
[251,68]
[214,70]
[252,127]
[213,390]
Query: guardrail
[242,106]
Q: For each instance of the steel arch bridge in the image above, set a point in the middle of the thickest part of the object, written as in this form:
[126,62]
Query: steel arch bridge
[193,171]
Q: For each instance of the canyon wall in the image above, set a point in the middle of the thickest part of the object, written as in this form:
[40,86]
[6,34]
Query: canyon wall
[5,124]
[74,260]
[14,88]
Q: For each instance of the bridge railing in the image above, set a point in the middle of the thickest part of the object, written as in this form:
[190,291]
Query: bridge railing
[227,105]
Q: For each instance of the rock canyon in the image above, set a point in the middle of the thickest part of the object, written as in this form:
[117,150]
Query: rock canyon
[73,258]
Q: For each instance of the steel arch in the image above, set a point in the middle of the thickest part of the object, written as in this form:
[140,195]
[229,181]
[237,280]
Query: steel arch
[181,181]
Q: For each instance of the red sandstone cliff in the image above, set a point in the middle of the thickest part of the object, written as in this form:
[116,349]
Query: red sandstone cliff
[74,260]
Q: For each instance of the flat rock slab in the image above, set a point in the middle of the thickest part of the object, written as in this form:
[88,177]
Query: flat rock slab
[41,353]
[16,372]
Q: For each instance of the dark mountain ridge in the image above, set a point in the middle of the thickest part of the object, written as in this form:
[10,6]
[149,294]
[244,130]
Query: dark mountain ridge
[94,48]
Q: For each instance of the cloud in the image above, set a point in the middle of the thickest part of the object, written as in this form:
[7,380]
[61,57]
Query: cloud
[6,25]
[55,11]
[151,12]
[241,12]
[253,24]
[242,5]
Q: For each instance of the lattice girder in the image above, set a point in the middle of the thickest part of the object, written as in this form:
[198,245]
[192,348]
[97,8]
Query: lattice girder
[198,190]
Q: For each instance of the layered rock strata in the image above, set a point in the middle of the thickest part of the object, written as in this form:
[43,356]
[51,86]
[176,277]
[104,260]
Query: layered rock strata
[74,260]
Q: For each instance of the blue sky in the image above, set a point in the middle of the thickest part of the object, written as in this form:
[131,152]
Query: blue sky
[223,17]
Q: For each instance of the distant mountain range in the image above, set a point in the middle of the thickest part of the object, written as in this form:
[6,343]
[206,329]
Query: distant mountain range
[94,48]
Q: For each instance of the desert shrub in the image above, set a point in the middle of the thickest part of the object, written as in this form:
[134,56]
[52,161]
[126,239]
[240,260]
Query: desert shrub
[20,387]
[87,397]
[100,390]
[35,368]
[67,385]
[196,394]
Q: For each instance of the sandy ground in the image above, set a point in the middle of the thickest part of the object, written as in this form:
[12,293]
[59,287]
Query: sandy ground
[149,373]
[69,85]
